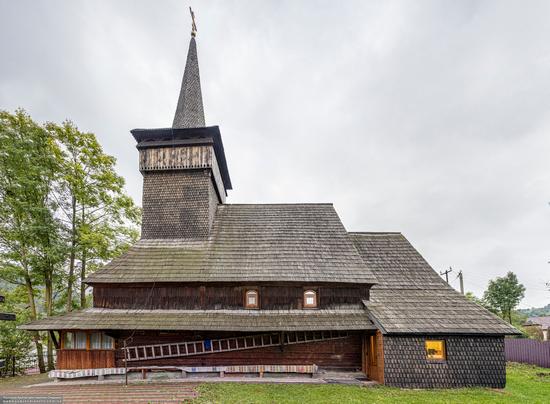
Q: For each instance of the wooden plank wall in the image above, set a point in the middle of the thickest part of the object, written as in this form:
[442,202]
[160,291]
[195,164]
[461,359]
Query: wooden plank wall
[342,353]
[187,297]
[83,359]
[182,157]
[374,369]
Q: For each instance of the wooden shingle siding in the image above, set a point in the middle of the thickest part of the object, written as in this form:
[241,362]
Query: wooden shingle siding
[471,361]
[178,204]
[182,296]
[178,158]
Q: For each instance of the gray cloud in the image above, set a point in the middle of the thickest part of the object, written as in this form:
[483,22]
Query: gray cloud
[429,117]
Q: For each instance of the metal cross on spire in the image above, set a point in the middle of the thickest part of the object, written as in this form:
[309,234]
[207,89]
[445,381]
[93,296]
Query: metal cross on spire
[193,25]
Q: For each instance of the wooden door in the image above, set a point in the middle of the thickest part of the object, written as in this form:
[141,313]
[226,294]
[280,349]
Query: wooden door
[373,357]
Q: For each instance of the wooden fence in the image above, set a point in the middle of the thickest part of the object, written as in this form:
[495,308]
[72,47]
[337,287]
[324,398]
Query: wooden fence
[530,351]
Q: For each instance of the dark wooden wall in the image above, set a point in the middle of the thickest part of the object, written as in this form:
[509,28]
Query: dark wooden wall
[182,296]
[342,353]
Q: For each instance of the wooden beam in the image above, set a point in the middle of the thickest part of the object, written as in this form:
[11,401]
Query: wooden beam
[54,340]
[7,317]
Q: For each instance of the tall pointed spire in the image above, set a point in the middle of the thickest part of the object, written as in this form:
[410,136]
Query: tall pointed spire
[190,111]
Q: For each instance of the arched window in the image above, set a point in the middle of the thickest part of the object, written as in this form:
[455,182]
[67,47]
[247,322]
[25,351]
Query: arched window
[251,299]
[310,299]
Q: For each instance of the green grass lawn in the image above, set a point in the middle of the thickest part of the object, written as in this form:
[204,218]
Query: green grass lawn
[525,384]
[21,381]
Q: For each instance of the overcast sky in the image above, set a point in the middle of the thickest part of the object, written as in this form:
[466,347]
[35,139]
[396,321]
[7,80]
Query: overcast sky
[431,118]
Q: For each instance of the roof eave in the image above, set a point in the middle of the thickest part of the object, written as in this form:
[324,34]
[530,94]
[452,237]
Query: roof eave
[168,137]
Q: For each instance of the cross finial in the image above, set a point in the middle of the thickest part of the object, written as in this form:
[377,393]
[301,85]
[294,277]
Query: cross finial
[193,25]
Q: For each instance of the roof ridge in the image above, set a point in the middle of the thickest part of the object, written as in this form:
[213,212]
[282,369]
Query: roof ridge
[375,232]
[279,204]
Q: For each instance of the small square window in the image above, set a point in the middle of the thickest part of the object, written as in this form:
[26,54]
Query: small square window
[310,299]
[251,299]
[435,350]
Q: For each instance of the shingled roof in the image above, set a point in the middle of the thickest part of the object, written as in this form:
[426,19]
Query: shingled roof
[411,298]
[543,321]
[249,243]
[190,111]
[211,320]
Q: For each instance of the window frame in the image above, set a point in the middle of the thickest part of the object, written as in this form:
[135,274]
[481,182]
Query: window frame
[315,295]
[246,304]
[443,357]
[88,342]
[64,340]
[103,335]
[100,340]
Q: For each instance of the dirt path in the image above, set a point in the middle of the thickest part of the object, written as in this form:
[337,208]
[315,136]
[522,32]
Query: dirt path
[103,393]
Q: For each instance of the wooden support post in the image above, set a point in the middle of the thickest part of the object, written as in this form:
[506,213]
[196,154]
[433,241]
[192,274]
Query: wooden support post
[125,363]
[54,340]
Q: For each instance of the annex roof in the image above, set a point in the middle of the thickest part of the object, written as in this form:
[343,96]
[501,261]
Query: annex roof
[411,298]
[249,243]
[211,320]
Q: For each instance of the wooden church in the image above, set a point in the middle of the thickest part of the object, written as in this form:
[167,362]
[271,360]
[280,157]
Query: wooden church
[238,288]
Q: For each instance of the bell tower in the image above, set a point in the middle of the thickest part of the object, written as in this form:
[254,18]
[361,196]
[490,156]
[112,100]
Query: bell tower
[184,170]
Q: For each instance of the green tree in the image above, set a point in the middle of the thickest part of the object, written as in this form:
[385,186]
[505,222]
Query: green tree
[27,170]
[504,294]
[62,209]
[101,219]
[14,343]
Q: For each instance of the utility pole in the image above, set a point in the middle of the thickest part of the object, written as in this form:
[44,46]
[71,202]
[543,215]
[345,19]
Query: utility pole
[446,273]
[6,316]
[461,279]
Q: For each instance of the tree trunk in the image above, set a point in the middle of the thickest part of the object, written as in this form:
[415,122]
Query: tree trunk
[51,364]
[39,351]
[82,276]
[48,300]
[35,334]
[72,256]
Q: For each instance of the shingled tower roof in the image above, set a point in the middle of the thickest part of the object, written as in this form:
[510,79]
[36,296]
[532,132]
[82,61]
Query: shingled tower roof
[190,112]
